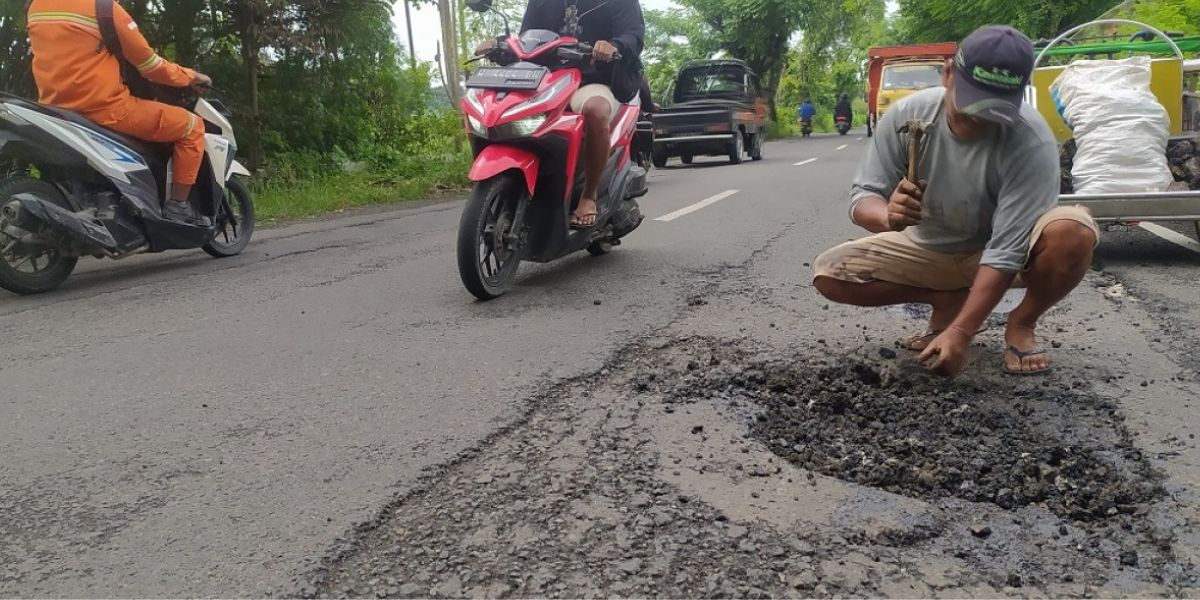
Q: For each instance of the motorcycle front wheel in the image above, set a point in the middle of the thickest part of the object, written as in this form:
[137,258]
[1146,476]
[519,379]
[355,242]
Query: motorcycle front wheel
[25,267]
[489,247]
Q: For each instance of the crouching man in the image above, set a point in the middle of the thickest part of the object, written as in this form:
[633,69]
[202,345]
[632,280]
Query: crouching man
[983,218]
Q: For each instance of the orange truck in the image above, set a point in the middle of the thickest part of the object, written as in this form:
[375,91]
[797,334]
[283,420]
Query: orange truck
[894,72]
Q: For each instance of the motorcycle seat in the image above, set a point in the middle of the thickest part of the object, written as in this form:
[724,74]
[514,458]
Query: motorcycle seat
[148,150]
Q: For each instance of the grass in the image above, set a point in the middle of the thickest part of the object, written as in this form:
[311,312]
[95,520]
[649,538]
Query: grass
[417,180]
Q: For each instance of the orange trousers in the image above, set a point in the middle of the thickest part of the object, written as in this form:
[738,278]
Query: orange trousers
[163,123]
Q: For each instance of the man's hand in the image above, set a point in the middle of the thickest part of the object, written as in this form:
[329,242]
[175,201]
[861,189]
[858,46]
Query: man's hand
[904,207]
[201,83]
[946,355]
[604,52]
[484,47]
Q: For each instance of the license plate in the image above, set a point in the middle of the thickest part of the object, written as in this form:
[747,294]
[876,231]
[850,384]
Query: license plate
[508,79]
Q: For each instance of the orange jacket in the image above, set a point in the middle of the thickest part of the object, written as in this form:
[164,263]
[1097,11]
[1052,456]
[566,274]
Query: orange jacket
[74,71]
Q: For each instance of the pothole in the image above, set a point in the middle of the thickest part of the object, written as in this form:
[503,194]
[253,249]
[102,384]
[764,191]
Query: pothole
[891,426]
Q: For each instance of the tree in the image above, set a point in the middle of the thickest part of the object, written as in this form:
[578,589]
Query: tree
[953,20]
[756,31]
[673,38]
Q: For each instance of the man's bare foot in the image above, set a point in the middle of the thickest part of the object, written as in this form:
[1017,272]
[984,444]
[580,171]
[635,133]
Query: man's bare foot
[1023,355]
[944,313]
[585,214]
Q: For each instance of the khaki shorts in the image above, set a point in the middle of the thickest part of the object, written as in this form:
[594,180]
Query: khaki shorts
[594,90]
[892,257]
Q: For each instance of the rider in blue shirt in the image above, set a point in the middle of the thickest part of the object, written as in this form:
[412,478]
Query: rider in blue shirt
[807,110]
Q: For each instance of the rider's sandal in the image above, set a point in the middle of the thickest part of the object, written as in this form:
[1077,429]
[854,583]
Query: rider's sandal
[580,221]
[1021,356]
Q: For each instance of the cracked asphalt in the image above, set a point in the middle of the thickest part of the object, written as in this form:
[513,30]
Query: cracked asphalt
[330,415]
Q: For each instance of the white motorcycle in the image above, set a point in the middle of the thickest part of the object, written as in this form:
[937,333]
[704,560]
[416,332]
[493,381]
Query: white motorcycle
[99,193]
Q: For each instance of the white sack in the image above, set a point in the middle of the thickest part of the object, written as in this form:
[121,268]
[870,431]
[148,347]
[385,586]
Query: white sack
[1120,128]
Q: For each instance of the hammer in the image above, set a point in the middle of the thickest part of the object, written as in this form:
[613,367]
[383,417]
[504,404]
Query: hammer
[916,132]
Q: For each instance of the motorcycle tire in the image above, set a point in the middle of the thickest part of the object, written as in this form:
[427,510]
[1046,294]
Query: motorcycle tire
[242,225]
[57,268]
[686,159]
[492,201]
[737,148]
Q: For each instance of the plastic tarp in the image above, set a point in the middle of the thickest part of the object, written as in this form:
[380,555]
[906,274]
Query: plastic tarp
[1120,128]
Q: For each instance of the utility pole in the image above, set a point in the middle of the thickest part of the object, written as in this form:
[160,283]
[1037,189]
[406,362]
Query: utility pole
[412,47]
[449,50]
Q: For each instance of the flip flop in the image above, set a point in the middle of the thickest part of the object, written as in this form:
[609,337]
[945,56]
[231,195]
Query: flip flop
[577,220]
[1021,356]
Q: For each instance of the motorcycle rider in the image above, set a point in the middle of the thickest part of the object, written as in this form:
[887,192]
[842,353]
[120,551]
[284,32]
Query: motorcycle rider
[844,109]
[611,27]
[806,111]
[74,72]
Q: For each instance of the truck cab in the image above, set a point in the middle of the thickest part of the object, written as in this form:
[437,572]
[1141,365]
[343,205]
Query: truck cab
[894,72]
[903,78]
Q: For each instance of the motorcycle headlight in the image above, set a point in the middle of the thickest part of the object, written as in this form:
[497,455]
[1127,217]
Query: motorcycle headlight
[525,127]
[542,97]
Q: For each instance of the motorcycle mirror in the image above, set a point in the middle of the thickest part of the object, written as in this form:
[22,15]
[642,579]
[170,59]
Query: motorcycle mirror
[480,6]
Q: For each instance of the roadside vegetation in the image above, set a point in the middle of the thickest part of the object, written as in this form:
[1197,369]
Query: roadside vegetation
[332,113]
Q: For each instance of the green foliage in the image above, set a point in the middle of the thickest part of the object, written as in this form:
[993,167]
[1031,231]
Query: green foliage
[1169,15]
[952,20]
[674,38]
[756,31]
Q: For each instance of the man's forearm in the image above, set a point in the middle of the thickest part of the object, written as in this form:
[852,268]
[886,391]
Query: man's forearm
[990,285]
[871,213]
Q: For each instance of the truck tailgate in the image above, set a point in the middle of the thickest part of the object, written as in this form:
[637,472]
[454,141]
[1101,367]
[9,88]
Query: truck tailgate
[698,121]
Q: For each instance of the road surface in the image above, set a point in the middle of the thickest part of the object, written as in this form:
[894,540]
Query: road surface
[330,413]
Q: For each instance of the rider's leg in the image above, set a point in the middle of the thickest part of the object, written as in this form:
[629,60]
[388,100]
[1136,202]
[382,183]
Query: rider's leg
[163,123]
[597,105]
[188,154]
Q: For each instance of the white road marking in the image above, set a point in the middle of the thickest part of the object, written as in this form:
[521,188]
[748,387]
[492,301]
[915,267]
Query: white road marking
[687,210]
[1171,236]
[858,139]
[842,147]
[805,162]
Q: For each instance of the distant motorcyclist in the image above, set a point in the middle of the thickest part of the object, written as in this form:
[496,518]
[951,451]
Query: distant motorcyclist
[74,71]
[844,109]
[807,110]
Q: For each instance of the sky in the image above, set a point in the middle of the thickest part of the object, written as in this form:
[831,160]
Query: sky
[427,27]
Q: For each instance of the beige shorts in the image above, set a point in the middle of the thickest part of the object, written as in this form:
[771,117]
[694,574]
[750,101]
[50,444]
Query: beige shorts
[594,90]
[892,257]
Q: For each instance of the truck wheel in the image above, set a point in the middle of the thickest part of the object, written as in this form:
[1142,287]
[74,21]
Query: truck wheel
[737,147]
[756,144]
[685,159]
[659,158]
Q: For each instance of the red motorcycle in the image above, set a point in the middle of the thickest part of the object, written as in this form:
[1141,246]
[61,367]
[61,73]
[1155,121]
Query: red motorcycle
[843,124]
[528,169]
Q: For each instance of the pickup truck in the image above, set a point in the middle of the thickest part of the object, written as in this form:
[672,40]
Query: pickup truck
[715,109]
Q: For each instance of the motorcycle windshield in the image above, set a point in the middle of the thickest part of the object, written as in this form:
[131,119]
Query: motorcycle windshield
[536,38]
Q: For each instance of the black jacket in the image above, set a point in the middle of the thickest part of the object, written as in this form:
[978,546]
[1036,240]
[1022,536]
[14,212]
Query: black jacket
[843,108]
[619,22]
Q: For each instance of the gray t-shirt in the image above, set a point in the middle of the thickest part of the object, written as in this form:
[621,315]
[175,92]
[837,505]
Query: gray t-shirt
[983,195]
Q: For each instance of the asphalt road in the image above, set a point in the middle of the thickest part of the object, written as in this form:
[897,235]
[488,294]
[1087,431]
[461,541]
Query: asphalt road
[175,425]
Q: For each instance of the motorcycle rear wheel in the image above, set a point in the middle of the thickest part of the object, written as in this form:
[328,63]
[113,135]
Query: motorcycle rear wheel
[488,256]
[24,270]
